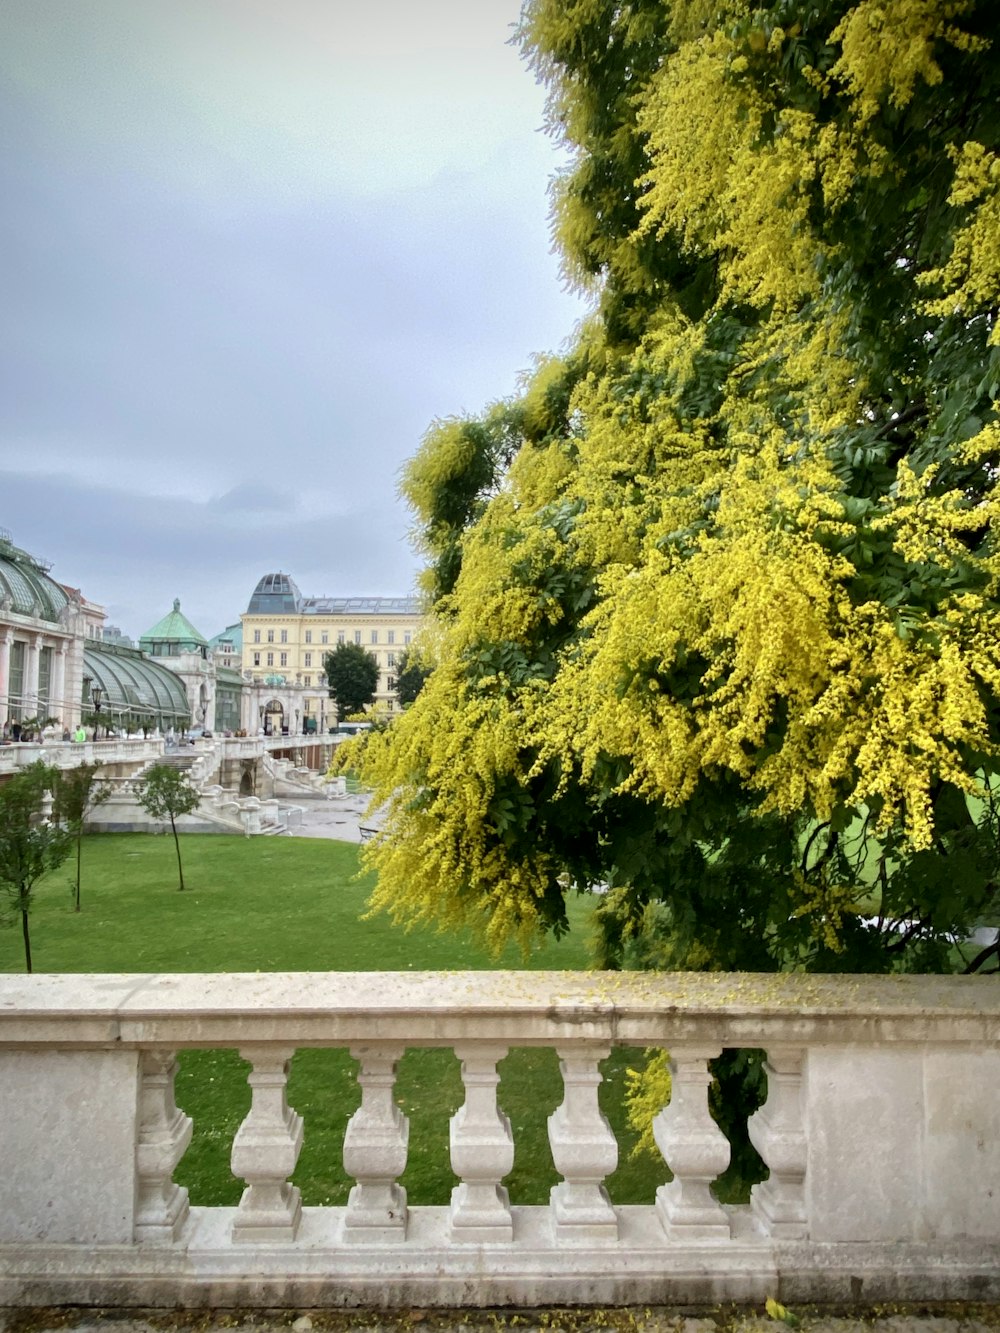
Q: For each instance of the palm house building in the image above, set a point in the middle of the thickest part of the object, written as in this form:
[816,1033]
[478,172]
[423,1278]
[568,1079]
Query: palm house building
[55,669]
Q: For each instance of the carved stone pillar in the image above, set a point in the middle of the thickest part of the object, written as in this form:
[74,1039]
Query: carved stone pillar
[250,816]
[6,638]
[695,1149]
[482,1151]
[57,686]
[375,1147]
[265,1150]
[29,694]
[584,1150]
[164,1134]
[778,1134]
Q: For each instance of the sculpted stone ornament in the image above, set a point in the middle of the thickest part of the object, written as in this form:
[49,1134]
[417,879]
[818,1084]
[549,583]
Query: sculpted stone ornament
[375,1148]
[695,1149]
[584,1150]
[482,1151]
[265,1150]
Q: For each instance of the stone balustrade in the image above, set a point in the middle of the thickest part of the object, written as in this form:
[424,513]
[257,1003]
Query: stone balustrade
[880,1131]
[122,752]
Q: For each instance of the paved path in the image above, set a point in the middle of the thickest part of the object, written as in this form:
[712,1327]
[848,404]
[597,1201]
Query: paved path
[334,817]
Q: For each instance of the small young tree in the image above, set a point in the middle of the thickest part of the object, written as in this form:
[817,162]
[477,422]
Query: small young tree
[77,794]
[352,677]
[410,676]
[28,846]
[165,793]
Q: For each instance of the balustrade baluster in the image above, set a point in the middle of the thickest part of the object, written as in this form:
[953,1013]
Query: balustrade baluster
[584,1150]
[265,1150]
[164,1134]
[375,1147]
[695,1149]
[778,1134]
[482,1151]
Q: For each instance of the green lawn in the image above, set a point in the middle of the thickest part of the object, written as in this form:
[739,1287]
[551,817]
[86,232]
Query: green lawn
[290,904]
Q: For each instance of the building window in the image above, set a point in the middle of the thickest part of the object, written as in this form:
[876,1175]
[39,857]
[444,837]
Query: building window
[357,636]
[270,636]
[309,636]
[392,636]
[307,680]
[390,685]
[390,660]
[374,636]
[256,636]
[270,659]
[340,636]
[406,637]
[284,636]
[326,637]
[284,659]
[309,659]
[256,659]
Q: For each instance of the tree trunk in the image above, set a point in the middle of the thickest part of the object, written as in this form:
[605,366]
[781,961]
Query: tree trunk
[79,840]
[27,939]
[177,844]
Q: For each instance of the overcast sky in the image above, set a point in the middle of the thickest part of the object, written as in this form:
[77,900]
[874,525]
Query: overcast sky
[249,251]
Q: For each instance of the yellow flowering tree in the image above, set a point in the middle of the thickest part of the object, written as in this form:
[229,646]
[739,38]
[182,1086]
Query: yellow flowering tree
[716,594]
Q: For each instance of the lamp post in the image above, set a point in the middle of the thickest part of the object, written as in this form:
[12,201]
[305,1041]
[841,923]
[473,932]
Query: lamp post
[96,695]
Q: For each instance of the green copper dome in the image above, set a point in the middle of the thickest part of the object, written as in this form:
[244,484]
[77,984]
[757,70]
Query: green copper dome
[173,635]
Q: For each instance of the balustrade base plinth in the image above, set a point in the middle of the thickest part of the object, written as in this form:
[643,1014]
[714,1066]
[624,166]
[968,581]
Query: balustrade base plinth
[208,1267]
[582,1220]
[260,1225]
[164,1224]
[481,1215]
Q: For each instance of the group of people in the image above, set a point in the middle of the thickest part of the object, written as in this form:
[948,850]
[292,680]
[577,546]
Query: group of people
[14,731]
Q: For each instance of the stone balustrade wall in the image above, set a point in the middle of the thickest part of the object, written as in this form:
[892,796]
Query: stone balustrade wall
[119,755]
[880,1131]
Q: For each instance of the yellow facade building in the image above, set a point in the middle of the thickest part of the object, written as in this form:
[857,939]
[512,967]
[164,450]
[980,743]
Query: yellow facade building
[286,637]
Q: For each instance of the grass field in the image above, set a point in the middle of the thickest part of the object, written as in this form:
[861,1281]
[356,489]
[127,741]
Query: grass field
[294,904]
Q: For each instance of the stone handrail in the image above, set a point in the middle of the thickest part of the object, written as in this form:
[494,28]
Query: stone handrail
[881,1132]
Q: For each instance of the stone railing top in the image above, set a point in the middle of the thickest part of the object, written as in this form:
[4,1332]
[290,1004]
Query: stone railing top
[518,1008]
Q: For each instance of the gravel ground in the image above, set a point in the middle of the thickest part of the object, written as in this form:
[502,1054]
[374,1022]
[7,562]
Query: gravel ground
[900,1319]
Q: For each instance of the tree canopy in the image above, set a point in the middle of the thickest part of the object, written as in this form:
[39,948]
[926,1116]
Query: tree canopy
[165,792]
[717,592]
[352,678]
[411,672]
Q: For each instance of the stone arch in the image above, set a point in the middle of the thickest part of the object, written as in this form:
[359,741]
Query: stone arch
[274,716]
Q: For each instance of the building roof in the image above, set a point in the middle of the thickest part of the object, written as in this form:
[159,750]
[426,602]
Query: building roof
[232,634]
[275,595]
[361,606]
[174,628]
[133,684]
[25,583]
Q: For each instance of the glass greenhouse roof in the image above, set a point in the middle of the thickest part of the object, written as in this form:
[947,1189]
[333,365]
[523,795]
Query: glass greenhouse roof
[25,583]
[131,683]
